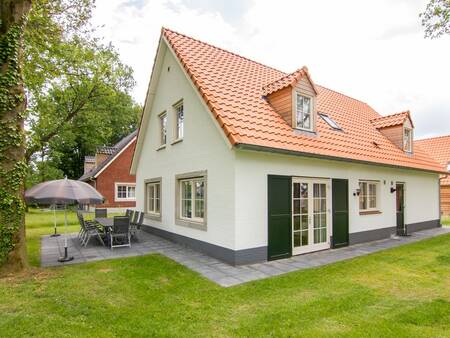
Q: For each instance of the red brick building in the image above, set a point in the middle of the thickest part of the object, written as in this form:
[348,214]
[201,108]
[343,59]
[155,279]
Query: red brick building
[109,172]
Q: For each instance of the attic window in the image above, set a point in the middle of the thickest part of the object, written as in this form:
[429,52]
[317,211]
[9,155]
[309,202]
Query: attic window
[332,123]
[303,112]
[407,140]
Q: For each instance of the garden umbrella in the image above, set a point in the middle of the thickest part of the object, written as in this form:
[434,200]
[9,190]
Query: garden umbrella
[65,192]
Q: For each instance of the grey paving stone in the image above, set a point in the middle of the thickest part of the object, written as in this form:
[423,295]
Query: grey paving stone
[211,268]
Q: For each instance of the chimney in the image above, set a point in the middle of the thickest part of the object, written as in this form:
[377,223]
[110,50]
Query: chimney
[89,163]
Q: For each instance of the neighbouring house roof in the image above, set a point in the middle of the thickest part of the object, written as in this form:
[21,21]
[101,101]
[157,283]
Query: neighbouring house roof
[89,159]
[391,120]
[439,149]
[106,150]
[112,152]
[233,88]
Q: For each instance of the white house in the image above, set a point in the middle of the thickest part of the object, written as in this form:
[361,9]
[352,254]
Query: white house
[247,163]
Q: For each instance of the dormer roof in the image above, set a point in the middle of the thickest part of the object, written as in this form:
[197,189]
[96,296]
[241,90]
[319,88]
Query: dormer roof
[391,120]
[288,80]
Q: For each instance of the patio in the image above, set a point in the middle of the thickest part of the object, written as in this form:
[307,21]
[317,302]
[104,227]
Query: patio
[211,268]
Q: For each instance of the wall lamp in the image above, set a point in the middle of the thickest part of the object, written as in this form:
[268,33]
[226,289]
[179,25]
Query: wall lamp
[393,190]
[357,192]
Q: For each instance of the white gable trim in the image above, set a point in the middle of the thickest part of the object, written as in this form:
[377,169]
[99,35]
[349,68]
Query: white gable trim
[114,158]
[162,48]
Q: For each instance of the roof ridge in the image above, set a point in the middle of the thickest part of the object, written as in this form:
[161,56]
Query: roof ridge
[223,49]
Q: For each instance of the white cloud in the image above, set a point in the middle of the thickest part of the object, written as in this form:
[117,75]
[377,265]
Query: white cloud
[371,50]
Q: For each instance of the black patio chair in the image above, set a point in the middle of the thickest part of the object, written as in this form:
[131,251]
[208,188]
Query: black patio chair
[88,230]
[130,214]
[135,226]
[120,234]
[101,213]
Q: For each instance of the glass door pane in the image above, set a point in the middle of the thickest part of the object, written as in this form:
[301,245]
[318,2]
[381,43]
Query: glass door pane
[319,212]
[300,214]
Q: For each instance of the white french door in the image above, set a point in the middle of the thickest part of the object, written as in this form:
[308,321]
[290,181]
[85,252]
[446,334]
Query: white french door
[310,215]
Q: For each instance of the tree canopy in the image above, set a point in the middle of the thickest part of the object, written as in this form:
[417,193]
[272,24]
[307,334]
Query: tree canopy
[78,89]
[436,18]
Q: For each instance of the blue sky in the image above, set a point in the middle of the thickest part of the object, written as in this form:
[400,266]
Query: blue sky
[371,50]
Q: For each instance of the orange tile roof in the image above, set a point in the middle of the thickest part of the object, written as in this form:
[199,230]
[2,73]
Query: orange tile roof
[439,149]
[231,86]
[288,80]
[390,120]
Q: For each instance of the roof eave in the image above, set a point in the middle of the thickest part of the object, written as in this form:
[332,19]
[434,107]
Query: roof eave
[246,146]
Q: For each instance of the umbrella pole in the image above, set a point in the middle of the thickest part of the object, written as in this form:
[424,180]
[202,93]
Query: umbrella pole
[55,234]
[66,257]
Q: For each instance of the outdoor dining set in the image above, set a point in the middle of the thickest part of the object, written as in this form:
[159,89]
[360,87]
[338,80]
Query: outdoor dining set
[114,231]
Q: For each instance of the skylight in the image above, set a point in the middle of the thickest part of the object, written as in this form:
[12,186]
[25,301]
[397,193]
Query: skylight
[332,123]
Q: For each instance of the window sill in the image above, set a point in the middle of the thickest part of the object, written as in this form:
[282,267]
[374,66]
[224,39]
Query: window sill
[191,224]
[370,212]
[161,147]
[178,140]
[300,131]
[154,217]
[124,200]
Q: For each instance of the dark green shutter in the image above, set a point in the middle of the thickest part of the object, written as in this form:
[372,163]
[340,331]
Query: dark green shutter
[279,222]
[340,212]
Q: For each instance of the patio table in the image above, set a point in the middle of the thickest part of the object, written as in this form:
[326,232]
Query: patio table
[106,222]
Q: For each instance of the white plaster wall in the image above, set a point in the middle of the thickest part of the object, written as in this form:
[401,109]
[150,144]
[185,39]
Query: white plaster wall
[203,148]
[252,168]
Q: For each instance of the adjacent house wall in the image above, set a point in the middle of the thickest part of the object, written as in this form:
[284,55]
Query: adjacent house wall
[118,171]
[252,169]
[445,200]
[203,148]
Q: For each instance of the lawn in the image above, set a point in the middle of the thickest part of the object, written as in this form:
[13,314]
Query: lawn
[403,292]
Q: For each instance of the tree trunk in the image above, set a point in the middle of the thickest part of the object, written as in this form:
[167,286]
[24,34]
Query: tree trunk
[12,137]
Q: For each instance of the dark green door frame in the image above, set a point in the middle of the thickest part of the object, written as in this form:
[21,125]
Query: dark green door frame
[340,213]
[279,198]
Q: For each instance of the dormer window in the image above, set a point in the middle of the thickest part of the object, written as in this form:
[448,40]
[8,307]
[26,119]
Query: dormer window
[407,140]
[303,106]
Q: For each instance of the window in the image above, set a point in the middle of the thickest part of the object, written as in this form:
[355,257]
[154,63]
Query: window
[368,196]
[191,200]
[153,198]
[163,126]
[407,140]
[303,112]
[179,118]
[125,192]
[332,123]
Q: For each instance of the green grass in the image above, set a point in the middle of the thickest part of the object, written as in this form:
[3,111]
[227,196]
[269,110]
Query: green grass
[445,220]
[402,292]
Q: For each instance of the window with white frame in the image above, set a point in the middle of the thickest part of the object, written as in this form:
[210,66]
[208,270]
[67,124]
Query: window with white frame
[125,192]
[179,118]
[303,112]
[163,128]
[407,140]
[153,191]
[368,196]
[192,199]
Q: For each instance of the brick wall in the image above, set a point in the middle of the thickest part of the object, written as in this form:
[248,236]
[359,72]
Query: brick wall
[117,171]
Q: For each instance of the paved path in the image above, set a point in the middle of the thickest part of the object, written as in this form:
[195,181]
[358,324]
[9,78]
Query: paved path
[213,269]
